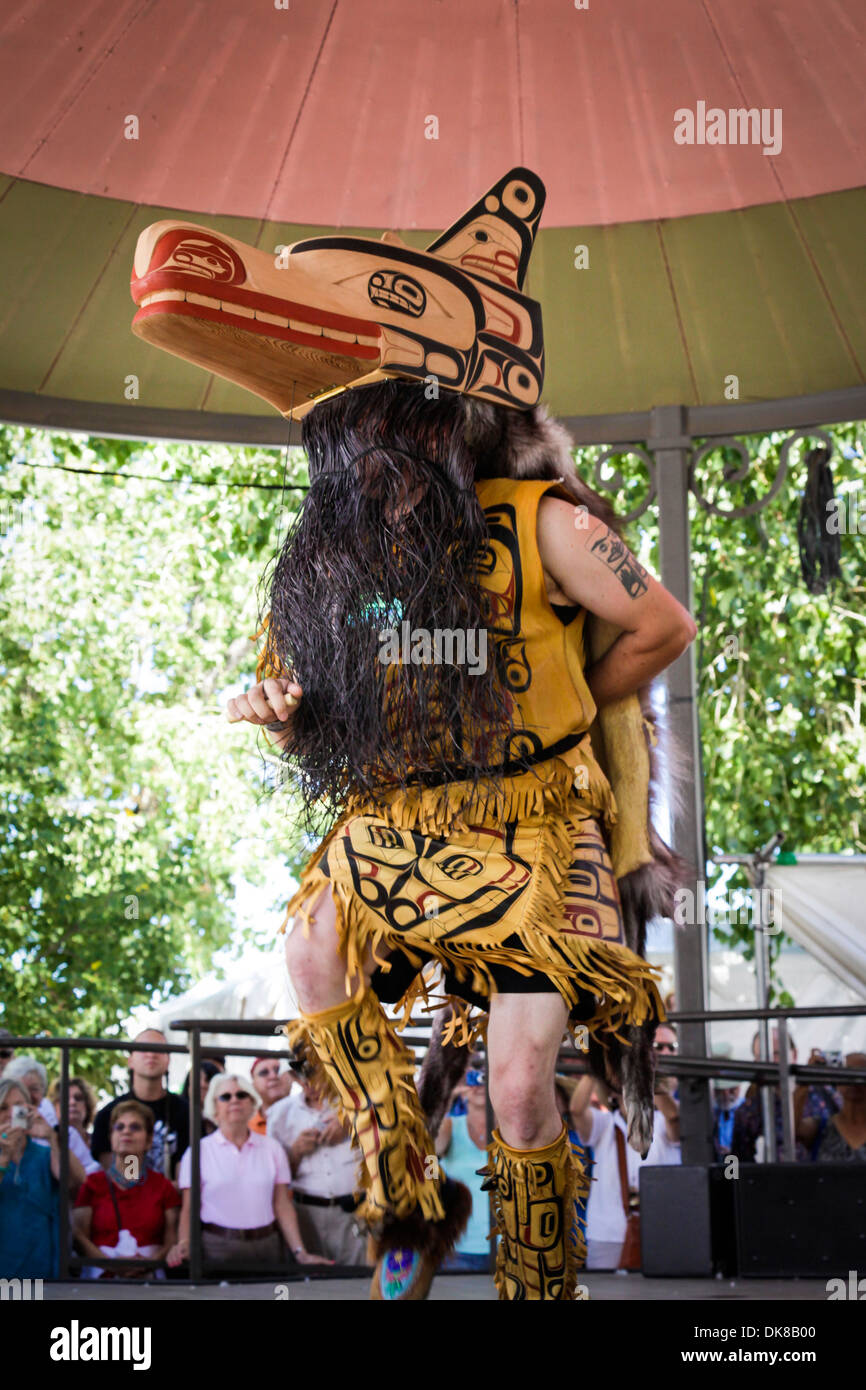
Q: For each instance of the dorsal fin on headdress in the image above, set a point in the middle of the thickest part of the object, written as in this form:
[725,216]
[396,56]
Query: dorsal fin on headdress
[494,238]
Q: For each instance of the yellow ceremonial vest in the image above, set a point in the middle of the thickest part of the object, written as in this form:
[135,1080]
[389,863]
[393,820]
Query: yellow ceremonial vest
[545,657]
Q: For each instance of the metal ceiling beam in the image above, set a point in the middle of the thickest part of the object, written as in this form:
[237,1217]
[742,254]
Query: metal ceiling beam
[142,422]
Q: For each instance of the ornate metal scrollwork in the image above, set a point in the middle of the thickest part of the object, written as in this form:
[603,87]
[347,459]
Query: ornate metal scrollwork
[733,473]
[616,482]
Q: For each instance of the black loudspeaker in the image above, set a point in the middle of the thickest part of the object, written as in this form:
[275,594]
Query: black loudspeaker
[686,1221]
[806,1219]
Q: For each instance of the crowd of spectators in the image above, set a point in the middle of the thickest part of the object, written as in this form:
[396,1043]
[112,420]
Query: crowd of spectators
[129,1168]
[829,1120]
[278,1173]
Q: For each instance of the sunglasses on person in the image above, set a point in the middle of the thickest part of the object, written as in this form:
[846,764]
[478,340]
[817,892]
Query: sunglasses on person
[235,1095]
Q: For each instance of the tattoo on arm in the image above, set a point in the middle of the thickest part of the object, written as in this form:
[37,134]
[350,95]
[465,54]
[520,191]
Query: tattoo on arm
[614,553]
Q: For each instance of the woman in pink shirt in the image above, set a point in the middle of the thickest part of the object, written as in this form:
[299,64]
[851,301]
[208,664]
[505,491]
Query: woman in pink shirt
[246,1204]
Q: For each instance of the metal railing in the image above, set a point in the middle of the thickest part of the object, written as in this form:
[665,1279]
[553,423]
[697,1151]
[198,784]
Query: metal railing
[783,1074]
[195,1050]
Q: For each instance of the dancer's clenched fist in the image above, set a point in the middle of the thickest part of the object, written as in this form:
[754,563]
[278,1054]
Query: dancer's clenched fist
[272,701]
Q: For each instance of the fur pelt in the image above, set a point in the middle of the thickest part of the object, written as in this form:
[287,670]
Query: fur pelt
[442,1068]
[433,1239]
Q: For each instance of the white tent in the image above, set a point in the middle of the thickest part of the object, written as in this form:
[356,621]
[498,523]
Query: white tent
[822,898]
[256,986]
[731,985]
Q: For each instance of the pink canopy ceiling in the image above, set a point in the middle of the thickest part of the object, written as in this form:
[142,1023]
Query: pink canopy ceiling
[320,112]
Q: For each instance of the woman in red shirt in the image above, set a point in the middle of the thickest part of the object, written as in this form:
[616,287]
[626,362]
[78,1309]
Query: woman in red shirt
[130,1211]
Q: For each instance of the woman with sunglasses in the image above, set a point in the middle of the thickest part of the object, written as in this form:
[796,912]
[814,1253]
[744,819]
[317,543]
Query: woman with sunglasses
[246,1204]
[129,1211]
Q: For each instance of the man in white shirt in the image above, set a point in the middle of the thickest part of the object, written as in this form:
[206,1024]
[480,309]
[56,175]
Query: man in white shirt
[324,1174]
[606,1217]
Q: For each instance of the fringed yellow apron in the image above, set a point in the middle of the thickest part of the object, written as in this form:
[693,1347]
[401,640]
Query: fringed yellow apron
[515,892]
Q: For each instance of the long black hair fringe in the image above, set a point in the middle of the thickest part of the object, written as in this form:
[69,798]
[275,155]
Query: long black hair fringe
[392,533]
[389,543]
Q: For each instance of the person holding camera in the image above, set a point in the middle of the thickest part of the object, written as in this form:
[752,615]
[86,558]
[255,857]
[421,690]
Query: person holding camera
[29,1187]
[34,1076]
[844,1137]
[324,1173]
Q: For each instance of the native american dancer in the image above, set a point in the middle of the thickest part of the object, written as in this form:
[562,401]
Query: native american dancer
[455,640]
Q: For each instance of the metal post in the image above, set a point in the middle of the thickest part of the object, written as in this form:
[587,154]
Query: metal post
[195,1251]
[785,1095]
[762,980]
[63,1263]
[671,446]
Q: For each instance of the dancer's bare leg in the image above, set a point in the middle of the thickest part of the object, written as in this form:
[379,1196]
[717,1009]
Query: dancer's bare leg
[533,1173]
[524,1036]
[316,966]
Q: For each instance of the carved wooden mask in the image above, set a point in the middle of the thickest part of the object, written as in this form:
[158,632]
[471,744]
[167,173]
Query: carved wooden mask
[332,312]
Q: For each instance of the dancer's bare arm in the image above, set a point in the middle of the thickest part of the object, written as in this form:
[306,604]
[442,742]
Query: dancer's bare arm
[591,566]
[272,701]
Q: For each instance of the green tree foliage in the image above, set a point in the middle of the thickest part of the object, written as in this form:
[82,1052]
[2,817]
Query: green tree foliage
[782,671]
[128,804]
